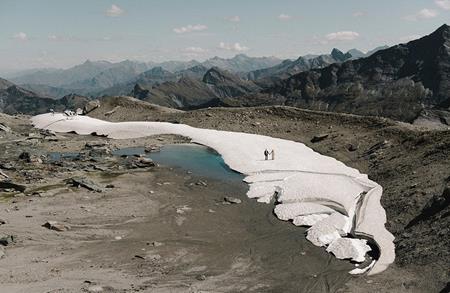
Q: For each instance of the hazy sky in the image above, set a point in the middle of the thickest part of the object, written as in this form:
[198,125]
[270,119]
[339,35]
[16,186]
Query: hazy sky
[59,33]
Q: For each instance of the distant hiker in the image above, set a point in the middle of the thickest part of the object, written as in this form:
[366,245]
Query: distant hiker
[266,154]
[273,154]
[52,111]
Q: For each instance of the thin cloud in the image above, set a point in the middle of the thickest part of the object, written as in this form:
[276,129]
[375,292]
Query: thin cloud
[234,18]
[443,4]
[236,47]
[284,17]
[422,14]
[359,14]
[194,50]
[114,11]
[21,36]
[342,36]
[190,28]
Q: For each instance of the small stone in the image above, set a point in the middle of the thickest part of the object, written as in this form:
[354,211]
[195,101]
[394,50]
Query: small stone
[95,288]
[319,137]
[54,225]
[352,147]
[84,182]
[201,183]
[157,244]
[7,240]
[201,277]
[118,238]
[232,200]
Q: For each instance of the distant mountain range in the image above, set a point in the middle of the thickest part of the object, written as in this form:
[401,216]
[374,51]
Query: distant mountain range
[399,82]
[197,86]
[266,77]
[97,78]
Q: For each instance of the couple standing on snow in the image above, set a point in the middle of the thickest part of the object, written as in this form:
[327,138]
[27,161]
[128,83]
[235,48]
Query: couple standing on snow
[267,153]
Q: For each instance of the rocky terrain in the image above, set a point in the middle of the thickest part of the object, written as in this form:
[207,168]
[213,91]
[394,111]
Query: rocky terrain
[83,220]
[411,163]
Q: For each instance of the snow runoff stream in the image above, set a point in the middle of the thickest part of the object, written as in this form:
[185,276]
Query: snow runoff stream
[338,202]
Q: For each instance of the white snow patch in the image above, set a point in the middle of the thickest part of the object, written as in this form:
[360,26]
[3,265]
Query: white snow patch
[348,248]
[297,175]
[309,220]
[322,237]
[289,211]
[329,229]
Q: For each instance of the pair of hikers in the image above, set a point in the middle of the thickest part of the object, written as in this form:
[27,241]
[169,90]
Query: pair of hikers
[267,153]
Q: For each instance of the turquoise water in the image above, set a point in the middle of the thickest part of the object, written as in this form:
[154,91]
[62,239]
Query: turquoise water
[56,156]
[200,160]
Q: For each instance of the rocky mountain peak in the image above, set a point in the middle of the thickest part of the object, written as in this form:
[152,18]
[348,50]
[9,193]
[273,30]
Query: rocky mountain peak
[215,75]
[338,55]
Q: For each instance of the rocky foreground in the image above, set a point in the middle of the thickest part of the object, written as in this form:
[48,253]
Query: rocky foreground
[64,198]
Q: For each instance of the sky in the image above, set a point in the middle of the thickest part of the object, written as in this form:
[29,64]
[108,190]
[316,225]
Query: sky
[63,33]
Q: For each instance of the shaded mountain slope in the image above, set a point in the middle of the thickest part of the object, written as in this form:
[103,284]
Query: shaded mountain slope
[267,77]
[397,82]
[14,100]
[189,92]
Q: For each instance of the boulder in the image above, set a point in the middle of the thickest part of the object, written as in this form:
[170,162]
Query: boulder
[352,147]
[152,149]
[7,240]
[98,149]
[3,175]
[4,128]
[91,106]
[6,184]
[30,158]
[143,162]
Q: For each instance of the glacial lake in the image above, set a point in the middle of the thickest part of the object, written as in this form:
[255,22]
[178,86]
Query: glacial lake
[198,159]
